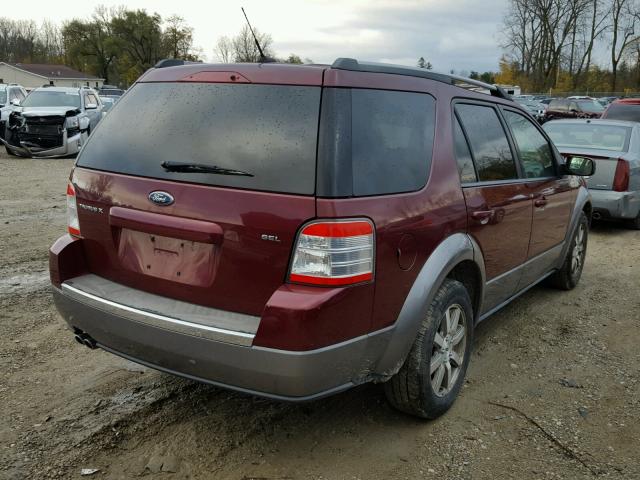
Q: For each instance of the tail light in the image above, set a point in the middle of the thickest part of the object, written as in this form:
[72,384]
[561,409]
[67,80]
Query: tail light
[621,177]
[334,253]
[73,224]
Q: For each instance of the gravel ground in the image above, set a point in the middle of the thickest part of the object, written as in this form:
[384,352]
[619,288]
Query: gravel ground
[552,390]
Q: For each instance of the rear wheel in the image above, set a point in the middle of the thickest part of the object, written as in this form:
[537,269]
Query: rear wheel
[569,275]
[635,223]
[433,373]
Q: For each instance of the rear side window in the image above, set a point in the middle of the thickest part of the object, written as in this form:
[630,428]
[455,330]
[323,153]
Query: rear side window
[374,142]
[620,111]
[488,142]
[268,131]
[535,153]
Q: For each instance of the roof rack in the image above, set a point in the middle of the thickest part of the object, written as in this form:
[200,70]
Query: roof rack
[467,83]
[172,62]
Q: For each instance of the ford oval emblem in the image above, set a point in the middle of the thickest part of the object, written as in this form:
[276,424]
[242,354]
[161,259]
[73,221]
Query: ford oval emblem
[161,198]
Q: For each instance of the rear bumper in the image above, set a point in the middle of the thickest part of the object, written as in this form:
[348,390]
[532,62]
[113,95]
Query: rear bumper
[279,374]
[608,204]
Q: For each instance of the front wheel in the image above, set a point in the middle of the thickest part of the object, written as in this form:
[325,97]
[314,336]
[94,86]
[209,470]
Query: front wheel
[569,274]
[432,375]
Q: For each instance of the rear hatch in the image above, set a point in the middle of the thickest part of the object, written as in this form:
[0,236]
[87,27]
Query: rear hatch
[215,225]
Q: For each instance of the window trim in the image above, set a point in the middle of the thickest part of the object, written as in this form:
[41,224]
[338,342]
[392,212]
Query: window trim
[496,108]
[554,155]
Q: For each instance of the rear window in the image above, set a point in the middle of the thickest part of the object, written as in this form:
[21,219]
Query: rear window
[620,111]
[269,131]
[589,135]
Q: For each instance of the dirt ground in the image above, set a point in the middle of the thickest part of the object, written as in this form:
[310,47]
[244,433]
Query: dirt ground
[552,390]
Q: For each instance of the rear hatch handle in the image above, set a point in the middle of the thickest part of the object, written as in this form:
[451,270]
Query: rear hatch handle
[166,225]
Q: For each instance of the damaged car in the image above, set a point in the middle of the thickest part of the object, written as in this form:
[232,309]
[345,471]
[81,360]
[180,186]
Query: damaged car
[11,96]
[53,122]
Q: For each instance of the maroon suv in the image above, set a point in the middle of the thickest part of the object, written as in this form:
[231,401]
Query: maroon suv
[293,231]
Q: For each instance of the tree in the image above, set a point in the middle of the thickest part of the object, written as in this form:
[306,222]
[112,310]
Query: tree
[224,49]
[178,38]
[624,21]
[139,37]
[293,58]
[90,45]
[245,48]
[422,63]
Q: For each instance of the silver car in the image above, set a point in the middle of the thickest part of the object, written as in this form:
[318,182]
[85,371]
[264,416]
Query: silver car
[615,147]
[53,122]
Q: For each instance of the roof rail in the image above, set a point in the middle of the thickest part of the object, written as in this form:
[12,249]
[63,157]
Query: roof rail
[172,62]
[467,83]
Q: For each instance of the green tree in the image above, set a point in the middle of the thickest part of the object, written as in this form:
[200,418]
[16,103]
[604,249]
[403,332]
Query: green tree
[178,38]
[293,58]
[140,38]
[90,45]
[422,63]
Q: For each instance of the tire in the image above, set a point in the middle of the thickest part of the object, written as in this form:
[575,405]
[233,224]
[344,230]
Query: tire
[635,223]
[569,274]
[413,389]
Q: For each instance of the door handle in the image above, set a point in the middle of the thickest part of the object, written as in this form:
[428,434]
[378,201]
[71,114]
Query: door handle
[482,216]
[540,202]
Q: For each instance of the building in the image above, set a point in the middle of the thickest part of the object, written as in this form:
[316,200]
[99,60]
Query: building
[32,75]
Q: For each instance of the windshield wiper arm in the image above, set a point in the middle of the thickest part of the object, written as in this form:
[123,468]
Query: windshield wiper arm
[201,168]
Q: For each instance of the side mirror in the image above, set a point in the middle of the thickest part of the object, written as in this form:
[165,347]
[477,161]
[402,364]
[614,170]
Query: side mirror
[15,102]
[581,166]
[91,106]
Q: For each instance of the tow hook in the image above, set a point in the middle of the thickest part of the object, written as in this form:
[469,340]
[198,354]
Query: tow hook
[84,339]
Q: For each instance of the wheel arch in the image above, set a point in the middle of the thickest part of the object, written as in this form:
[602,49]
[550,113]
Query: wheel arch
[457,257]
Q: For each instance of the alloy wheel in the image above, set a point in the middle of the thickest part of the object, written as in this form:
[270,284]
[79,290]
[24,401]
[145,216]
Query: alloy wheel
[449,348]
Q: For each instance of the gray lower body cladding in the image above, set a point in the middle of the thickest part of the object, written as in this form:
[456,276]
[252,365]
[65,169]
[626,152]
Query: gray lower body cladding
[284,375]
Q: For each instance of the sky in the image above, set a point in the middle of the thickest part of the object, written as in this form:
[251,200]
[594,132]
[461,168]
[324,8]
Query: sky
[463,35]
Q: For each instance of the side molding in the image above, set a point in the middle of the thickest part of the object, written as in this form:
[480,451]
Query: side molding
[453,250]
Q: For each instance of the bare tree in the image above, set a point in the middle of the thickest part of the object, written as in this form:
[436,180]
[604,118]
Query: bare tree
[245,49]
[624,21]
[224,49]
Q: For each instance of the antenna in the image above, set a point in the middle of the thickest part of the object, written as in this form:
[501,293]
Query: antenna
[263,59]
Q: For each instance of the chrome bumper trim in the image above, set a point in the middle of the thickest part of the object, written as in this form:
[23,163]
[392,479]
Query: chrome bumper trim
[161,321]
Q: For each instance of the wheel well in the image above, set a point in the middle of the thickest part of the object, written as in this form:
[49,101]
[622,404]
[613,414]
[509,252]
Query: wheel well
[588,210]
[468,273]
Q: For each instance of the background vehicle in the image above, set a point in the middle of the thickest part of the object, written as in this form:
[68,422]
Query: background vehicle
[615,147]
[605,101]
[53,122]
[10,97]
[110,91]
[108,102]
[536,109]
[293,231]
[623,109]
[568,108]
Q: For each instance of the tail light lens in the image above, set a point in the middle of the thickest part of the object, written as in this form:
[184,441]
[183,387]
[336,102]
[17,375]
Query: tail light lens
[73,224]
[334,253]
[621,177]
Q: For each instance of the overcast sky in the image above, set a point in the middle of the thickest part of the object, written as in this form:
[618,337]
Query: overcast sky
[451,34]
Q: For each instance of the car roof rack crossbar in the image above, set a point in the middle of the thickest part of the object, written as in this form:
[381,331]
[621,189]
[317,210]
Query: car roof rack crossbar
[467,83]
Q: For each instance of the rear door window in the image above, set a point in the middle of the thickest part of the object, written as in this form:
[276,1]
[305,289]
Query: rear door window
[536,155]
[268,131]
[488,141]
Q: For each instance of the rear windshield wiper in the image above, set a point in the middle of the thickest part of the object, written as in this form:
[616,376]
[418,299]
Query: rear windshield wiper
[201,168]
